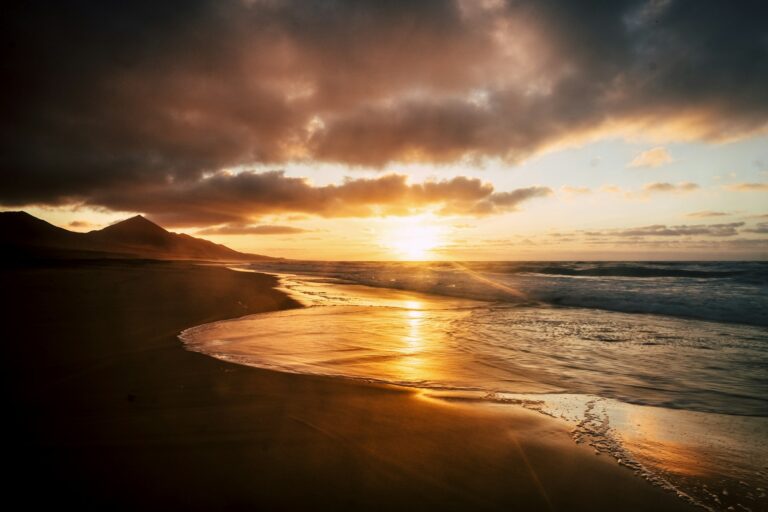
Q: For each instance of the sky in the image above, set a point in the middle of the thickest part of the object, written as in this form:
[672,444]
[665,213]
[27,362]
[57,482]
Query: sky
[465,130]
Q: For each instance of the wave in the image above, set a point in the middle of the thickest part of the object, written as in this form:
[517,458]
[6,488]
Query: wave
[753,271]
[729,292]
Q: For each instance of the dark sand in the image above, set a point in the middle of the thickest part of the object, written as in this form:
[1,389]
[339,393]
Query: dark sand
[108,409]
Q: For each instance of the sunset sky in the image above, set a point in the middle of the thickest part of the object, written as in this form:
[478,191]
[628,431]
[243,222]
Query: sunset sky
[397,130]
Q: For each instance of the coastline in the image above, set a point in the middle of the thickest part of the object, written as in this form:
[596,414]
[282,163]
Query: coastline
[109,408]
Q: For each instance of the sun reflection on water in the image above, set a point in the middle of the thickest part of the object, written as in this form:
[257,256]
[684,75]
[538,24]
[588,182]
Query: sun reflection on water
[413,321]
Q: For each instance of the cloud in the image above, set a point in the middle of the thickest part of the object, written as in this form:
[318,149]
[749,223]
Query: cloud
[748,187]
[655,231]
[570,191]
[651,158]
[111,95]
[707,213]
[238,198]
[735,244]
[245,229]
[681,230]
[81,224]
[650,189]
[761,227]
[663,187]
[498,202]
[611,189]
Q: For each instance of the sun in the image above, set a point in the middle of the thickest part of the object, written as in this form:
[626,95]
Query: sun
[413,240]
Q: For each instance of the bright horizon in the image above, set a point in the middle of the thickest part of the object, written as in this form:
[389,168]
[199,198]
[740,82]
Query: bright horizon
[601,209]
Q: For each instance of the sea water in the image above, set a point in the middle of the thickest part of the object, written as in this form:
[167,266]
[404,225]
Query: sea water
[661,365]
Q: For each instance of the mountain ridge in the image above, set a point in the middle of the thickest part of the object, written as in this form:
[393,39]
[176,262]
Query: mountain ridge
[24,235]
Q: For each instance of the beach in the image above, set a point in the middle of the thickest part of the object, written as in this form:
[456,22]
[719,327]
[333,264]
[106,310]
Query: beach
[397,256]
[109,409]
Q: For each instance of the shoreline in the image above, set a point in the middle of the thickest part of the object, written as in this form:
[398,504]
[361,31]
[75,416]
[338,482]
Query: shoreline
[111,409]
[395,337]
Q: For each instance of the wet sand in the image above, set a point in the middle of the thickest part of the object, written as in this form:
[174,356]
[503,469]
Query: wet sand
[108,409]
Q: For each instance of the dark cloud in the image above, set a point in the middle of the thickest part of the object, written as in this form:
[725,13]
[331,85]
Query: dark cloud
[497,203]
[237,198]
[104,96]
[247,229]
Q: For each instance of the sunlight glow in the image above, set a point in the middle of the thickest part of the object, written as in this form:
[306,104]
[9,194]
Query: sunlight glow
[413,239]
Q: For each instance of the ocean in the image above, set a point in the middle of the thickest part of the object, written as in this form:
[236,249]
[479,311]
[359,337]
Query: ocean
[610,347]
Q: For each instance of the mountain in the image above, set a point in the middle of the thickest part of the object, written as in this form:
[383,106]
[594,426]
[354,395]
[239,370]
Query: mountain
[23,235]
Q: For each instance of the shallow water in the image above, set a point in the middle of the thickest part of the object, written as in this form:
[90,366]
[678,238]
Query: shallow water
[682,402]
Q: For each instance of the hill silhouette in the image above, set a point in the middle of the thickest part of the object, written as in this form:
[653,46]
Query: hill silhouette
[22,235]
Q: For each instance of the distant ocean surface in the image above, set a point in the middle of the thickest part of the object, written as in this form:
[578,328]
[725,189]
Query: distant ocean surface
[642,359]
[733,292]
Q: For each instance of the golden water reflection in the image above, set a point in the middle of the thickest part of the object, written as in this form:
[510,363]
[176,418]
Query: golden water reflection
[405,338]
[686,444]
[648,435]
[412,366]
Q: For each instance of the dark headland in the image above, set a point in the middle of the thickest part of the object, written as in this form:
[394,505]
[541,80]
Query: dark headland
[24,237]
